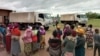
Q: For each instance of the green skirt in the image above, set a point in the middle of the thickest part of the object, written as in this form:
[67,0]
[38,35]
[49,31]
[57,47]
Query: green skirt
[27,47]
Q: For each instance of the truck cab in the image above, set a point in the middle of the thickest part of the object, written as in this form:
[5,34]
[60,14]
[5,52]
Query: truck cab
[82,19]
[74,18]
[44,19]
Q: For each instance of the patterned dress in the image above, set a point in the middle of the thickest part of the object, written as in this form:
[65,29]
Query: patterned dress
[27,41]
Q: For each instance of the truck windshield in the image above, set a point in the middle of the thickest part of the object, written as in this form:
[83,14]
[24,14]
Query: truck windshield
[81,16]
[47,16]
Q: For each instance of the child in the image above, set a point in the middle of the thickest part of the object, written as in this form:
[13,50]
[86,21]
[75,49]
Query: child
[42,36]
[96,42]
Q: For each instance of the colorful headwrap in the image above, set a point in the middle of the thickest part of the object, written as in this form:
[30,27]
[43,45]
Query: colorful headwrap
[80,31]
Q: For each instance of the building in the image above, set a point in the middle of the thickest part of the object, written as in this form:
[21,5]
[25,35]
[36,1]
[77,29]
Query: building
[4,15]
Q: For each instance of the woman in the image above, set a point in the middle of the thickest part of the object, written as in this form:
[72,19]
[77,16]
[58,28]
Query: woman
[54,48]
[15,44]
[57,32]
[69,44]
[27,39]
[42,33]
[79,49]
[66,29]
[35,44]
[8,40]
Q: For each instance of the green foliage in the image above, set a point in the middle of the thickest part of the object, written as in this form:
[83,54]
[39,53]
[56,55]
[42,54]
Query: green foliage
[93,15]
[94,22]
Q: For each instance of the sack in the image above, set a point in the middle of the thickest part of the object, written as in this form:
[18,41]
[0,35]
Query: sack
[34,38]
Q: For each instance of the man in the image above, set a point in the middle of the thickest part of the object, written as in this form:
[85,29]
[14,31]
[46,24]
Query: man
[96,42]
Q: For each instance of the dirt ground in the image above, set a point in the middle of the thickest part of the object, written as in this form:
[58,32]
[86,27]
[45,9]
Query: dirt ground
[89,52]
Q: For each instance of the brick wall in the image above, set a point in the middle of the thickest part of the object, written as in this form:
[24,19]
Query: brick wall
[4,13]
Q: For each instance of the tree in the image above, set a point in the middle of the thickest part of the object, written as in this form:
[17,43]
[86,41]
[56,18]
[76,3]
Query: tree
[93,15]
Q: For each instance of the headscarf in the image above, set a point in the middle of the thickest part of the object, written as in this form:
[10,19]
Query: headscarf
[42,30]
[67,26]
[16,25]
[28,31]
[80,31]
[67,29]
[10,26]
[16,32]
[58,26]
[41,27]
[74,33]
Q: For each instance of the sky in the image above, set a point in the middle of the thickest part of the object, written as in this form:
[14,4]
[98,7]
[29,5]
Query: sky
[52,6]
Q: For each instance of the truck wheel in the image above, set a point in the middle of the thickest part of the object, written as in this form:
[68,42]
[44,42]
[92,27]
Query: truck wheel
[83,25]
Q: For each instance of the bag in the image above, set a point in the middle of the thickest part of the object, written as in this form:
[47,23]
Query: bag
[34,38]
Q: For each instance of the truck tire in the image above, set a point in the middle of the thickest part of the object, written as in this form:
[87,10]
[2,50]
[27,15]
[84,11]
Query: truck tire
[83,25]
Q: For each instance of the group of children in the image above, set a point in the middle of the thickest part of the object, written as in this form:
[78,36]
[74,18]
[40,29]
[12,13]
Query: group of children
[74,39]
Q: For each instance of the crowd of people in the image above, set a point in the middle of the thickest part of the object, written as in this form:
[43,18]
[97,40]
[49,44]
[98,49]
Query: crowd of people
[71,40]
[67,42]
[33,38]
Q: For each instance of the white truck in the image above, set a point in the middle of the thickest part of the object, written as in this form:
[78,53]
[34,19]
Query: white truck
[74,18]
[31,18]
